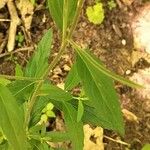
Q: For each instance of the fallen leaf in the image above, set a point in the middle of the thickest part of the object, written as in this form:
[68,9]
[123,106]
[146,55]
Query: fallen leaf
[129,115]
[97,134]
[26,10]
[2,3]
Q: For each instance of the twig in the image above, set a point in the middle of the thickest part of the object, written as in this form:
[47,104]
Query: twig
[2,46]
[117,141]
[5,20]
[16,51]
[15,21]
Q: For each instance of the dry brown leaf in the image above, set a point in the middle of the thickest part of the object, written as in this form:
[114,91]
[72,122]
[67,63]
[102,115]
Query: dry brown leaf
[61,85]
[129,115]
[128,2]
[97,134]
[137,55]
[2,3]
[57,70]
[26,10]
[66,67]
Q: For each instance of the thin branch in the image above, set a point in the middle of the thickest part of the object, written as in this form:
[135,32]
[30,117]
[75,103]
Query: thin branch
[117,141]
[19,78]
[5,20]
[16,51]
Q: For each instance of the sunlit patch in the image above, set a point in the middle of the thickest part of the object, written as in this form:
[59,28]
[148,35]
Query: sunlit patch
[141,29]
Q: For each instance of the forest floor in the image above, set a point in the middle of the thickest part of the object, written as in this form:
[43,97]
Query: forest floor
[112,42]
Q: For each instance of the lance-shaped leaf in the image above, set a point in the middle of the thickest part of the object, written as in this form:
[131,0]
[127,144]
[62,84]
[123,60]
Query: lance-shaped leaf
[80,111]
[11,120]
[91,59]
[39,62]
[54,92]
[91,116]
[72,79]
[55,136]
[74,128]
[4,81]
[18,70]
[100,90]
[56,10]
[48,93]
[21,89]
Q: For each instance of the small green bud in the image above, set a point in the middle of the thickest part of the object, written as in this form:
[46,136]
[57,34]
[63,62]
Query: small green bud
[44,118]
[49,106]
[50,113]
[44,110]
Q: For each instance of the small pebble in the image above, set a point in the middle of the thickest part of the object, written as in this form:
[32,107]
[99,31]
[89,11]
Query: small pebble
[128,72]
[123,42]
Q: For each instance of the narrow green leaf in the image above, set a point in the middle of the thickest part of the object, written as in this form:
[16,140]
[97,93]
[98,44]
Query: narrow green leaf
[55,136]
[91,116]
[5,146]
[100,90]
[43,146]
[146,147]
[54,92]
[41,102]
[56,11]
[49,92]
[72,79]
[80,111]
[21,89]
[91,59]
[12,120]
[39,62]
[4,81]
[18,70]
[35,129]
[74,128]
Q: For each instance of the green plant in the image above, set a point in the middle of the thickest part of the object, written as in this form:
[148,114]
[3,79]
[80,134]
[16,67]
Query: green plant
[24,96]
[111,4]
[20,39]
[47,112]
[95,13]
[146,147]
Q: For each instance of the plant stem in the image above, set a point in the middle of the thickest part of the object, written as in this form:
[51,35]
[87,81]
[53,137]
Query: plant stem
[65,38]
[81,98]
[19,78]
[65,20]
[75,20]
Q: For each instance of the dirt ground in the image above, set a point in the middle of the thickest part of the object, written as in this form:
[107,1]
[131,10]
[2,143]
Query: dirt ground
[107,42]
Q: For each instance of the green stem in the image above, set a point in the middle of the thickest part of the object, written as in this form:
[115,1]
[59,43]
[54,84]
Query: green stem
[65,20]
[81,98]
[54,62]
[19,78]
[75,20]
